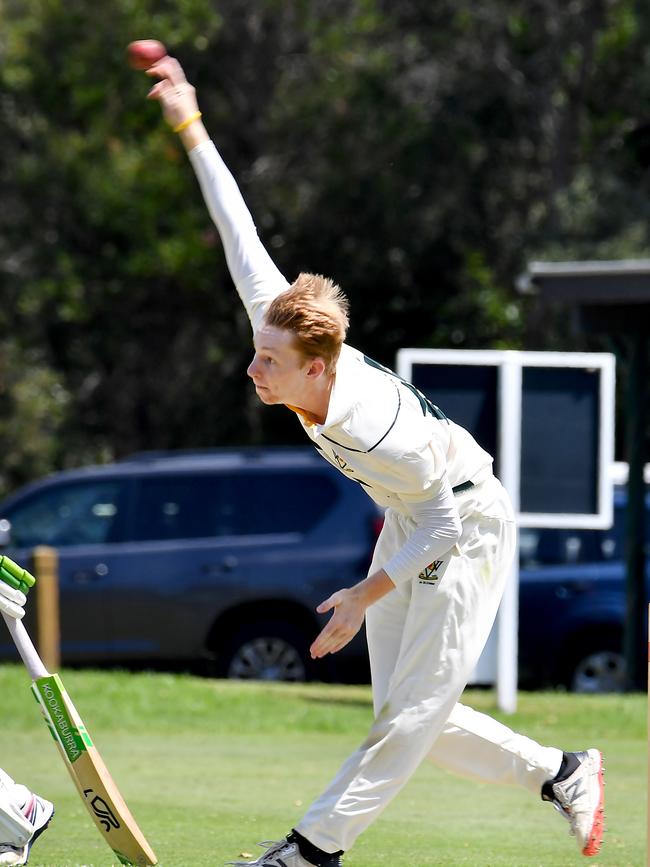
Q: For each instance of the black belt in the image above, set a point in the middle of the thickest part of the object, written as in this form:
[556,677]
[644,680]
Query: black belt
[465,486]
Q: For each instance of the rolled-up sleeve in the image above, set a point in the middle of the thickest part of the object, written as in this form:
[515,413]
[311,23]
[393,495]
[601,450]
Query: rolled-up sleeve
[437,528]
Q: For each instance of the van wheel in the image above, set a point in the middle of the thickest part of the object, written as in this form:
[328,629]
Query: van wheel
[265,651]
[600,671]
[596,663]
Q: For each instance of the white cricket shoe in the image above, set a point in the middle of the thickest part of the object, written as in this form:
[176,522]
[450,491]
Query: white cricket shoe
[581,800]
[38,813]
[283,854]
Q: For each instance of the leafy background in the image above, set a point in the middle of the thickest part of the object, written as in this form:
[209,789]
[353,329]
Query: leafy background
[419,153]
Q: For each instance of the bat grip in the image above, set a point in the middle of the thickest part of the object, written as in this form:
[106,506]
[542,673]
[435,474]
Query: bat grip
[26,649]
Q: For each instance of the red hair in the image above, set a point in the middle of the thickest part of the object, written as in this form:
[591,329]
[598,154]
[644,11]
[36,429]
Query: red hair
[315,310]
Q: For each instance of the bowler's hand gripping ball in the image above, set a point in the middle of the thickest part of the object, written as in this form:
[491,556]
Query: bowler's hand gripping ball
[143,53]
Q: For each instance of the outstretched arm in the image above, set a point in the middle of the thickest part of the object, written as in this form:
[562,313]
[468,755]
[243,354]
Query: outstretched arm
[254,273]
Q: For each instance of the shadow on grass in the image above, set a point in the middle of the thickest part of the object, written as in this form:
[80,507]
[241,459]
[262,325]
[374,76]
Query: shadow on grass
[342,700]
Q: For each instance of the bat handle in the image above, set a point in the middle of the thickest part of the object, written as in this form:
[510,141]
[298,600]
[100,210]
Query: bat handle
[26,649]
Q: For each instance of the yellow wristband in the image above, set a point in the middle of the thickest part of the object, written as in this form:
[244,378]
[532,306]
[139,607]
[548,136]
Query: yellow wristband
[188,120]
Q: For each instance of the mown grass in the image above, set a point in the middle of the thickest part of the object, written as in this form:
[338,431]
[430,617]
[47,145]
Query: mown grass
[210,767]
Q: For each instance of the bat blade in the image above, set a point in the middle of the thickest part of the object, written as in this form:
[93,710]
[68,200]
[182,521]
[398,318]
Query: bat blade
[90,775]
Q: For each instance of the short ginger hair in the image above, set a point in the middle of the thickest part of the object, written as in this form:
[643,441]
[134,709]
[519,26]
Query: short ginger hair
[315,310]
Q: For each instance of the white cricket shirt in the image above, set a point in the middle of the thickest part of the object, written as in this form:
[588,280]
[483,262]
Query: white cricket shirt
[379,431]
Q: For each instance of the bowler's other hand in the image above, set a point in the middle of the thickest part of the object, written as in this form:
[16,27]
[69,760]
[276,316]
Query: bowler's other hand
[343,625]
[176,95]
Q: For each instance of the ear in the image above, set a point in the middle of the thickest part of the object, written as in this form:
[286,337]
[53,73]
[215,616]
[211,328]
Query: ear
[316,368]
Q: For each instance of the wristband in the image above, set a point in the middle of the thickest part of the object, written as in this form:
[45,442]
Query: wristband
[188,120]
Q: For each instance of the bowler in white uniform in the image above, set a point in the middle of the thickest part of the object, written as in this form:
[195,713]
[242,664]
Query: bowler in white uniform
[440,563]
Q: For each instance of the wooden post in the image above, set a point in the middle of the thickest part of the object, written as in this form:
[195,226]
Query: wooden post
[46,572]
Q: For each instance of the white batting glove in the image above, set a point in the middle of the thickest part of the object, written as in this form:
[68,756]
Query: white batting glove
[12,601]
[14,584]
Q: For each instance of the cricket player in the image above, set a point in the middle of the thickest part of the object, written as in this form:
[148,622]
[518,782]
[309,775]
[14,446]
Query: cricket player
[440,563]
[23,815]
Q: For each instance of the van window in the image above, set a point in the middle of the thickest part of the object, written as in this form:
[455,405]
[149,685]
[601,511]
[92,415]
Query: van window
[555,547]
[81,513]
[280,502]
[549,547]
[191,506]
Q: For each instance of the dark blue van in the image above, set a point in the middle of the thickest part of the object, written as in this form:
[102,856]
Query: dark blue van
[572,601]
[218,556]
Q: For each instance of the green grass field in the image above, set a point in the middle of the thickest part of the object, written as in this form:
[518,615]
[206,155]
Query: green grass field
[208,768]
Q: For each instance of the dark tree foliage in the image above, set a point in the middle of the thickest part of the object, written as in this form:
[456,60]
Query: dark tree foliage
[418,152]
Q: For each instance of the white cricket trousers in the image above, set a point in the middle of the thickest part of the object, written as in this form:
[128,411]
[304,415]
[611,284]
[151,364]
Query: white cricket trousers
[424,639]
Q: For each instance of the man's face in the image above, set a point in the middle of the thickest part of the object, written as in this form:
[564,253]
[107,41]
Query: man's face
[279,372]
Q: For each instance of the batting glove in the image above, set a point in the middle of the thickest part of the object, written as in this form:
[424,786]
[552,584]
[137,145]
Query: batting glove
[14,585]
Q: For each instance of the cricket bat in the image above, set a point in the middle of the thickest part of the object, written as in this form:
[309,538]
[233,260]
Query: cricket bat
[89,773]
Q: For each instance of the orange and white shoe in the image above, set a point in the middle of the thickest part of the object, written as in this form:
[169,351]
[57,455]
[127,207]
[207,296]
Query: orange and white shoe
[282,854]
[287,853]
[580,798]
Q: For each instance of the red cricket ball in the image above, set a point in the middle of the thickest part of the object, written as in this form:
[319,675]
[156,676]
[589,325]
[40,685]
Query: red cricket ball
[143,53]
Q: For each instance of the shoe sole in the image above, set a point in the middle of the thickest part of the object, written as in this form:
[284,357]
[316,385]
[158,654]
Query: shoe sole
[595,841]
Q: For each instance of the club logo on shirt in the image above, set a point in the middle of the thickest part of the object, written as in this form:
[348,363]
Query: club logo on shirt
[342,463]
[429,575]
